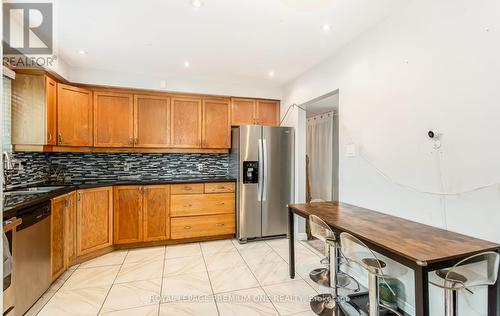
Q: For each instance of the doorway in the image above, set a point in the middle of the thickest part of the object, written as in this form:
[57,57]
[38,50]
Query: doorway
[322,148]
[321,159]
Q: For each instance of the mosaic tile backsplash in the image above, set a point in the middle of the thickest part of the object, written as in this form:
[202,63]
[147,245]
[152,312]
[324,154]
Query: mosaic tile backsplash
[88,166]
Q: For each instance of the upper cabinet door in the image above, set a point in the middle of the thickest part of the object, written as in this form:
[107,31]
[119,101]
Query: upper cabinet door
[51,108]
[186,122]
[267,112]
[242,112]
[216,129]
[152,121]
[74,116]
[113,119]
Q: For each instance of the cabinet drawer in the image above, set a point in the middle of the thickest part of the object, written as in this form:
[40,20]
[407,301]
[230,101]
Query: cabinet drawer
[219,187]
[202,226]
[201,204]
[189,188]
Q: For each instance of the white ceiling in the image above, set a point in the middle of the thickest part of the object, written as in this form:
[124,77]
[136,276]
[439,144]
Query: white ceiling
[224,40]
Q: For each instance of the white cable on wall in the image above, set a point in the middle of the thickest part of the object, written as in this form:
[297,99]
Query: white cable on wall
[402,185]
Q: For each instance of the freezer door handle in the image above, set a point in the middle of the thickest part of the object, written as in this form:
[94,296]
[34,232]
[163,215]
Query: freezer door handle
[260,184]
[264,171]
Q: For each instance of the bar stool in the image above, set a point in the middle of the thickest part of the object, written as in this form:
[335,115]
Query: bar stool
[477,270]
[357,252]
[330,276]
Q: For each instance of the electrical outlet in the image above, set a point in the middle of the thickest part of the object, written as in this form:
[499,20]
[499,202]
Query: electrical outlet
[201,167]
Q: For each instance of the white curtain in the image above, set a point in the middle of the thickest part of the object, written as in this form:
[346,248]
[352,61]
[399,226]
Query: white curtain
[320,152]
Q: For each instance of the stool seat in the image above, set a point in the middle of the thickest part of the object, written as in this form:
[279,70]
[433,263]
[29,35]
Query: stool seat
[321,276]
[451,276]
[374,263]
[477,270]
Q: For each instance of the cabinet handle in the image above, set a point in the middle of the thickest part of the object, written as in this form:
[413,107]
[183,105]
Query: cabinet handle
[219,224]
[136,140]
[49,136]
[221,188]
[79,196]
[66,203]
[187,227]
[188,188]
[144,189]
[220,203]
[188,205]
[130,141]
[59,138]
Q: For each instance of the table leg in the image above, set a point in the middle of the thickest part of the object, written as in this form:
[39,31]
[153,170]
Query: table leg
[291,241]
[421,291]
[493,295]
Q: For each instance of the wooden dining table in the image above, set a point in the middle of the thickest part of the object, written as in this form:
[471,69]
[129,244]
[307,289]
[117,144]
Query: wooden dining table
[420,247]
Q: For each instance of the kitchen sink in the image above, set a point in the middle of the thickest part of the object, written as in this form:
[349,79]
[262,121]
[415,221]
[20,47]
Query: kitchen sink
[34,190]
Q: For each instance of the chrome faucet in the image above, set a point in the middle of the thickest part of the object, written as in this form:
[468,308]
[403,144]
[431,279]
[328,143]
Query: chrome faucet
[7,161]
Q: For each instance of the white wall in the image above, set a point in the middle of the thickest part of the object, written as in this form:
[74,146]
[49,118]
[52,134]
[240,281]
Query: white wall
[152,82]
[435,64]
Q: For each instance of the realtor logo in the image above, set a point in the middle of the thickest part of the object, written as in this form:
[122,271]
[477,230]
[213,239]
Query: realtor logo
[27,28]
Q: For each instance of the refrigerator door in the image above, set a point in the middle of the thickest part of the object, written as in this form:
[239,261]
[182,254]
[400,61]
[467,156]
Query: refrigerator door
[249,215]
[277,191]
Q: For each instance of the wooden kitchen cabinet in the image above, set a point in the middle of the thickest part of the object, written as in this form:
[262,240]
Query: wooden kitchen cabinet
[141,213]
[127,214]
[202,204]
[70,230]
[156,210]
[267,112]
[57,243]
[113,119]
[242,111]
[203,226]
[94,220]
[63,233]
[51,103]
[151,121]
[202,210]
[216,127]
[34,103]
[254,112]
[186,115]
[74,116]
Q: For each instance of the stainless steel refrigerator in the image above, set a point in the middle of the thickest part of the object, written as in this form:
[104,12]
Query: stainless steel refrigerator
[262,161]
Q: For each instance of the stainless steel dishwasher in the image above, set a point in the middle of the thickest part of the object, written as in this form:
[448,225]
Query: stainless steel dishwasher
[32,272]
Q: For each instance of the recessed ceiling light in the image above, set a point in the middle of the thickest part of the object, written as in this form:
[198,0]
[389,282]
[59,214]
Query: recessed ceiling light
[82,52]
[271,73]
[326,27]
[187,64]
[197,3]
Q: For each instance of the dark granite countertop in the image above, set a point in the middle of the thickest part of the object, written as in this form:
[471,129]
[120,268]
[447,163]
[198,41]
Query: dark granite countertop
[16,202]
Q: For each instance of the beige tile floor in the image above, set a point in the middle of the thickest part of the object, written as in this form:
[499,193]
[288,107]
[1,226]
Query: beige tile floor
[207,278]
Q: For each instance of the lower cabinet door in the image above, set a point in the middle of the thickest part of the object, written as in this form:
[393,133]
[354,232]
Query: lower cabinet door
[127,214]
[94,220]
[59,206]
[70,230]
[202,226]
[156,212]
